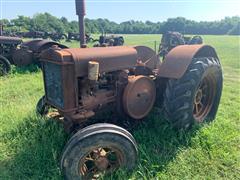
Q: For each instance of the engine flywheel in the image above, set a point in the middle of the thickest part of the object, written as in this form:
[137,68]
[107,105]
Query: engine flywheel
[139,96]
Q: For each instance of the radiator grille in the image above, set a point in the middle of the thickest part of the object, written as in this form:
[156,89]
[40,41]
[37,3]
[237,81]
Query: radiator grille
[53,84]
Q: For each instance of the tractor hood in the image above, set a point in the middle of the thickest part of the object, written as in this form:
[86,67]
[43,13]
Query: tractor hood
[109,58]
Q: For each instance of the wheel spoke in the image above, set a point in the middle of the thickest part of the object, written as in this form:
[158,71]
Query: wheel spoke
[196,105]
[109,152]
[88,159]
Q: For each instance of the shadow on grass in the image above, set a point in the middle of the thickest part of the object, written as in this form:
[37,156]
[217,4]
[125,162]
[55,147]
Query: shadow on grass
[158,145]
[35,148]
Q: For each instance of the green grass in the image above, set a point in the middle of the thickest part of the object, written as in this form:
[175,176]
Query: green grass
[30,146]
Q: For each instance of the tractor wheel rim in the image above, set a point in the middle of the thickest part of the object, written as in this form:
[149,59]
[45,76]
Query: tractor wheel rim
[99,161]
[204,98]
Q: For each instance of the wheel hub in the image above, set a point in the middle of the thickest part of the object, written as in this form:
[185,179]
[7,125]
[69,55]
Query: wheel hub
[98,161]
[102,163]
[204,98]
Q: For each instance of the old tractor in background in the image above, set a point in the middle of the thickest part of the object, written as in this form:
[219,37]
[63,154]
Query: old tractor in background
[172,39]
[109,40]
[55,36]
[126,83]
[76,37]
[13,51]
[103,41]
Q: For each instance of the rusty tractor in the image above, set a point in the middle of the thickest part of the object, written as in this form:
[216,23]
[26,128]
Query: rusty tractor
[126,82]
[16,52]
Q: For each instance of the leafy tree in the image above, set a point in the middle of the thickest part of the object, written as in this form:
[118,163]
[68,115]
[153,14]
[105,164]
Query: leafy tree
[48,23]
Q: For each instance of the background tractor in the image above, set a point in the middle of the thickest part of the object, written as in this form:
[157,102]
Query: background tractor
[16,52]
[126,82]
[172,39]
[109,40]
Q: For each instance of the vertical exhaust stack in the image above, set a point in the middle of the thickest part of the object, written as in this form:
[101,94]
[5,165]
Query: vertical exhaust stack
[1,29]
[80,11]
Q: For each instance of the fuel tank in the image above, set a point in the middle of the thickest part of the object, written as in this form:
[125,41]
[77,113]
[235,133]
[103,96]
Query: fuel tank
[109,58]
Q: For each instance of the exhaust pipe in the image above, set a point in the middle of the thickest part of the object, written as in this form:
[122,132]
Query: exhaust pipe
[1,29]
[81,12]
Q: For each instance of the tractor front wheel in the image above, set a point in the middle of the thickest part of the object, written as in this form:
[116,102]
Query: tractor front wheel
[96,150]
[42,108]
[194,98]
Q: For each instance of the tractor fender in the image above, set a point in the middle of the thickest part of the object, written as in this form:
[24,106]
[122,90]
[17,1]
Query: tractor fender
[147,56]
[179,58]
[38,45]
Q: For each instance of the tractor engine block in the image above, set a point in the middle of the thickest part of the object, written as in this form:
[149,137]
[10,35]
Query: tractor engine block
[81,82]
[94,96]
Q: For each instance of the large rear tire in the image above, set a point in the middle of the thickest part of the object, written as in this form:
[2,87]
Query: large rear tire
[5,66]
[194,98]
[98,149]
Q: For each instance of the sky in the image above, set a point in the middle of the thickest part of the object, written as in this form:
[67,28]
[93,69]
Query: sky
[124,10]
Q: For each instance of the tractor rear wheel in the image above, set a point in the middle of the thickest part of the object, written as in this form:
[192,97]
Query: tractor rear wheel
[194,98]
[5,66]
[98,149]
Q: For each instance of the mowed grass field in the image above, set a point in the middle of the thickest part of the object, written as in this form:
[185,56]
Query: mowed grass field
[31,146]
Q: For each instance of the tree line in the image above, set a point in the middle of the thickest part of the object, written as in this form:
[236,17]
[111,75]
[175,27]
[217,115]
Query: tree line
[48,23]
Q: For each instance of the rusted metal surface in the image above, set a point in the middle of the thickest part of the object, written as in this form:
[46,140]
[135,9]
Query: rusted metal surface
[99,160]
[81,12]
[69,89]
[63,68]
[10,40]
[109,59]
[101,97]
[139,96]
[178,59]
[147,56]
[22,57]
[38,45]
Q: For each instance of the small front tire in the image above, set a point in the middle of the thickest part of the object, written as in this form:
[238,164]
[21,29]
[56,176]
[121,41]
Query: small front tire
[98,149]
[42,108]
